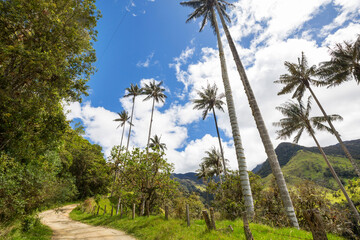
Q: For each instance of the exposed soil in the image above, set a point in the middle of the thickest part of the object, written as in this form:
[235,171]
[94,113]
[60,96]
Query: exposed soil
[65,228]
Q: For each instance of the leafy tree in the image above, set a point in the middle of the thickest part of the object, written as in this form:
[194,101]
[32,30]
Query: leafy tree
[205,9]
[156,143]
[149,180]
[46,56]
[297,120]
[300,77]
[88,165]
[208,101]
[343,66]
[132,91]
[156,92]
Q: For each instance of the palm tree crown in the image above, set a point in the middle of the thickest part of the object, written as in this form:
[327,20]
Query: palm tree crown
[133,91]
[123,118]
[156,143]
[212,162]
[208,100]
[299,77]
[297,120]
[204,8]
[343,66]
[155,91]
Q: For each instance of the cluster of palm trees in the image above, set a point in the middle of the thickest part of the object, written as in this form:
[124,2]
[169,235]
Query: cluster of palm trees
[343,66]
[152,90]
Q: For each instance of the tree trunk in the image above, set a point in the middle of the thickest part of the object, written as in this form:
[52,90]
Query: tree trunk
[221,148]
[353,208]
[151,120]
[269,149]
[118,205]
[344,148]
[244,176]
[207,220]
[132,113]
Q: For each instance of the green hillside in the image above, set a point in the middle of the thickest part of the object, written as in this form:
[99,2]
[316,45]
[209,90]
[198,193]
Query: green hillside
[311,166]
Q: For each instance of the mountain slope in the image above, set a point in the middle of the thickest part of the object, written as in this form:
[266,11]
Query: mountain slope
[285,151]
[306,165]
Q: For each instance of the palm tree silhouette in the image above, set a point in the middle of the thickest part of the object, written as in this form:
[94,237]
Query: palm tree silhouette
[300,78]
[156,143]
[208,101]
[132,91]
[297,120]
[155,92]
[205,9]
[343,66]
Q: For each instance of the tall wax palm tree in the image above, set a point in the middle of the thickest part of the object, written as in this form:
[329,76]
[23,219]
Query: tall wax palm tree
[155,142]
[132,91]
[343,66]
[205,9]
[299,79]
[155,92]
[264,135]
[297,120]
[208,101]
[123,118]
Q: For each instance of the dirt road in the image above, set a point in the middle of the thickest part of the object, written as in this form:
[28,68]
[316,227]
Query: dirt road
[65,228]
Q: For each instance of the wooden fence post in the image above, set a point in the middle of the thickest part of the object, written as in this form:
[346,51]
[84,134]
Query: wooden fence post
[212,218]
[94,210]
[147,208]
[104,210]
[112,210]
[315,223]
[166,212]
[133,211]
[187,215]
[98,210]
[207,219]
[247,230]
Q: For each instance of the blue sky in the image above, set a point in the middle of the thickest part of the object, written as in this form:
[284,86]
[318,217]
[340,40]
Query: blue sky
[142,40]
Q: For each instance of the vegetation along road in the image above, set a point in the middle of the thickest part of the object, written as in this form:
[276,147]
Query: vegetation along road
[65,228]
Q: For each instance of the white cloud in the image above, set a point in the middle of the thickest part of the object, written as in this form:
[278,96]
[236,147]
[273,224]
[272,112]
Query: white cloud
[147,62]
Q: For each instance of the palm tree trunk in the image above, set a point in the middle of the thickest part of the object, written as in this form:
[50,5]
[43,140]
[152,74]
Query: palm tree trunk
[151,120]
[132,113]
[344,148]
[353,208]
[244,176]
[113,185]
[221,149]
[269,149]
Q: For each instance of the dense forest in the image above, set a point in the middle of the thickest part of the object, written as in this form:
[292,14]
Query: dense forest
[46,58]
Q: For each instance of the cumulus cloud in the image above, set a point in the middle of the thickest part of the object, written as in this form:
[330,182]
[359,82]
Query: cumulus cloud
[147,62]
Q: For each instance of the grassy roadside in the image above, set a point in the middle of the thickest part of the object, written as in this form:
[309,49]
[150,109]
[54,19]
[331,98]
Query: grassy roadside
[29,227]
[155,227]
[14,231]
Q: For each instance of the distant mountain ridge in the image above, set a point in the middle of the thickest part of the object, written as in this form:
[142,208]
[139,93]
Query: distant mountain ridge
[285,151]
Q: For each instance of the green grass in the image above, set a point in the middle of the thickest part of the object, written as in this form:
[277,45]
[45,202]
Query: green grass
[156,228]
[36,232]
